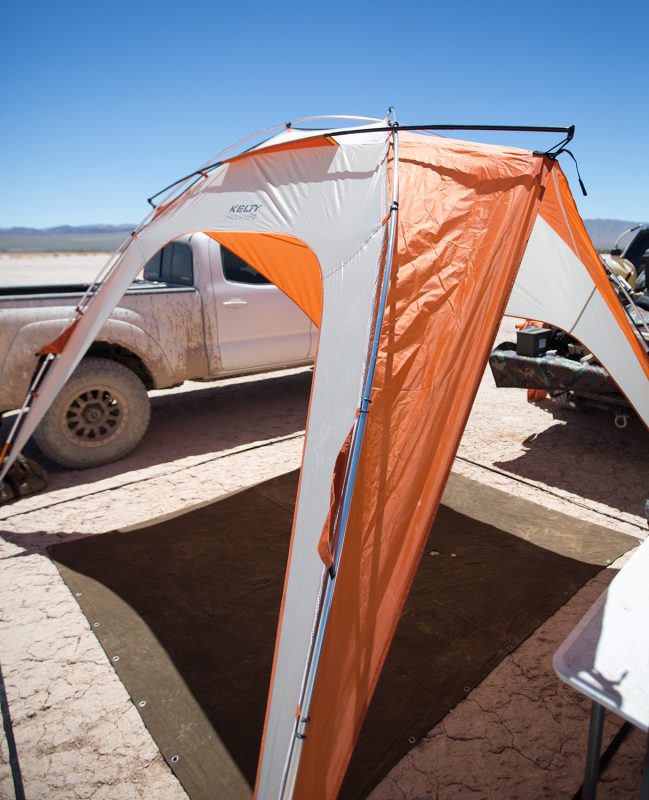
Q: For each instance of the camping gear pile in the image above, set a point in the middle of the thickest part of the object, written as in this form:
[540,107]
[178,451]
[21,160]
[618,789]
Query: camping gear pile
[559,364]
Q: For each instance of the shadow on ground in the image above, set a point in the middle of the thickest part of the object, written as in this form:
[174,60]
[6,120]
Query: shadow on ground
[570,455]
[207,584]
[203,421]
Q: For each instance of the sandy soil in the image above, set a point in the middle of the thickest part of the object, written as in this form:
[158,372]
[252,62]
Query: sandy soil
[34,269]
[519,734]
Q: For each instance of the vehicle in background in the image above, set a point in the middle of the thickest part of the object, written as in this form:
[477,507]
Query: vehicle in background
[545,359]
[199,313]
[631,262]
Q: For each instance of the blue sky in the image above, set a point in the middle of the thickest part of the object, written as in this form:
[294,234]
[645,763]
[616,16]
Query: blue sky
[104,104]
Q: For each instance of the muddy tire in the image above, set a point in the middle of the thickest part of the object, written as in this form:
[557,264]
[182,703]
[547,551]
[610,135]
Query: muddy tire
[99,416]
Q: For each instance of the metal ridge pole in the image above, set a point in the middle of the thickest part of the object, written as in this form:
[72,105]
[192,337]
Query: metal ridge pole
[569,130]
[322,614]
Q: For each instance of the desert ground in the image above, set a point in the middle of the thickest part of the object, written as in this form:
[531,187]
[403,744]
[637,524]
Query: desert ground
[72,731]
[32,269]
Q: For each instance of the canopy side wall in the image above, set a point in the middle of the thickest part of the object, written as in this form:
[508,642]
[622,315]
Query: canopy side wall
[562,282]
[464,218]
[357,198]
[300,191]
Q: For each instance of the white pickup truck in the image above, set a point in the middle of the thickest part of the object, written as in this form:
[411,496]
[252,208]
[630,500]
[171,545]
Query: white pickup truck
[198,313]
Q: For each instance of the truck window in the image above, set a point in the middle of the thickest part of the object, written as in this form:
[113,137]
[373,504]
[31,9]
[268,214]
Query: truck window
[179,265]
[172,264]
[236,270]
[152,267]
[636,249]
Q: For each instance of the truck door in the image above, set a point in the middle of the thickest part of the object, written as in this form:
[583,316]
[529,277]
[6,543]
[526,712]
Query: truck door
[258,326]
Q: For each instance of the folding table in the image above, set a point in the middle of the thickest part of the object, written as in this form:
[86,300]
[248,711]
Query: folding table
[606,658]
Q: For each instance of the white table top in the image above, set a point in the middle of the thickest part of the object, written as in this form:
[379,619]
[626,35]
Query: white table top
[606,657]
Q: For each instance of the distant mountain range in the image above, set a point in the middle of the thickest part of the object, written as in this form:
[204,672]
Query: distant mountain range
[64,238]
[97,238]
[604,232]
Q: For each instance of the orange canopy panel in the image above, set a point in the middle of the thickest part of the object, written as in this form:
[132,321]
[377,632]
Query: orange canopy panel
[464,218]
[287,262]
[290,144]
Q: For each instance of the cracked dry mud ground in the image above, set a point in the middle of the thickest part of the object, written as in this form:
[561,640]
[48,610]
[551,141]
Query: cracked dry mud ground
[519,734]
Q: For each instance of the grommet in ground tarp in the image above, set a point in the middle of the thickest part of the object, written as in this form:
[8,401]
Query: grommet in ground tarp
[621,420]
[175,759]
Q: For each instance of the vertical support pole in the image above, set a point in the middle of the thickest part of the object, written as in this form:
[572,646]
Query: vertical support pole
[591,774]
[291,765]
[644,786]
[6,454]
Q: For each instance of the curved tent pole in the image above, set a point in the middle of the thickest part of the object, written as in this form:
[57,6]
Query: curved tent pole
[51,352]
[218,159]
[332,116]
[22,411]
[325,598]
[8,449]
[213,163]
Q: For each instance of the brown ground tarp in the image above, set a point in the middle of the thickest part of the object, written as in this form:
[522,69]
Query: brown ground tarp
[189,606]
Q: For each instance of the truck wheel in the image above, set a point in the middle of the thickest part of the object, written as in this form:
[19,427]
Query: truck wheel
[99,416]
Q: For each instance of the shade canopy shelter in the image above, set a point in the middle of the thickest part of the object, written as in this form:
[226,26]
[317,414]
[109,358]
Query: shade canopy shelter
[403,247]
